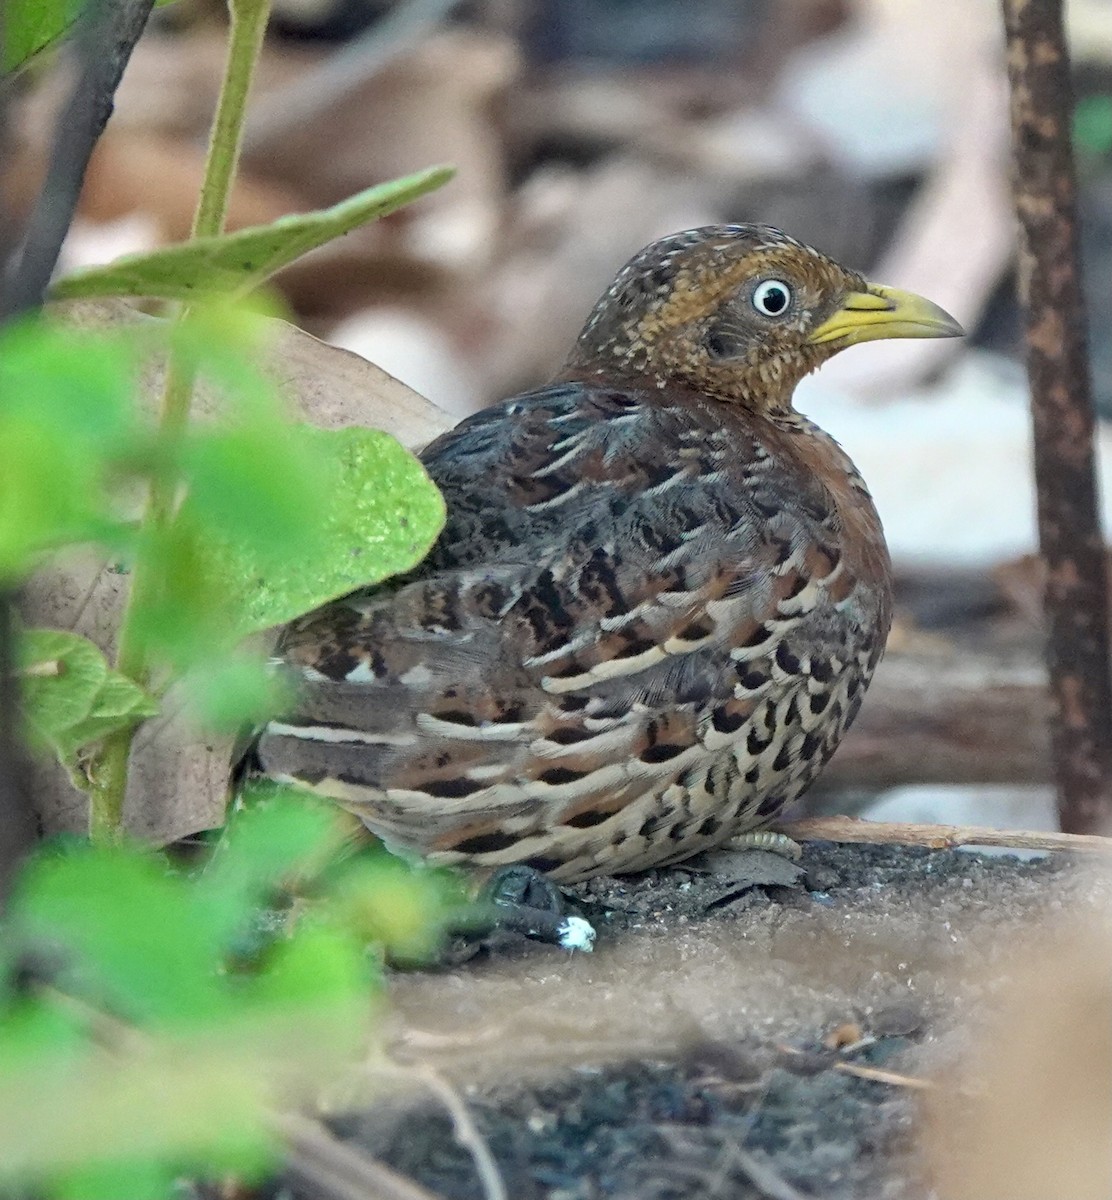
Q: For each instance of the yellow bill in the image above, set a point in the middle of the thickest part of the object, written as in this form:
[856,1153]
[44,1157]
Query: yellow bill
[885,312]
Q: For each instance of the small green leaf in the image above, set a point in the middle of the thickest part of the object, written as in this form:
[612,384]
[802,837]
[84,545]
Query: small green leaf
[260,483]
[32,26]
[275,834]
[80,385]
[396,905]
[116,1181]
[65,421]
[235,691]
[48,492]
[70,695]
[130,934]
[118,704]
[238,262]
[316,968]
[39,1037]
[383,515]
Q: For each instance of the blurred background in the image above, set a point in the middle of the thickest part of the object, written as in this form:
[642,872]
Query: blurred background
[581,130]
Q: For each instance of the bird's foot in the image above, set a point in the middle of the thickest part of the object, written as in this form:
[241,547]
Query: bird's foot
[518,899]
[767,839]
[527,902]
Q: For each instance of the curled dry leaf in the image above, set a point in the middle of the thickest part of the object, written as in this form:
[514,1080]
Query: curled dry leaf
[179,777]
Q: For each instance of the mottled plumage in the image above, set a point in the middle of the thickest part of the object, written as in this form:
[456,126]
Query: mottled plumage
[657,601]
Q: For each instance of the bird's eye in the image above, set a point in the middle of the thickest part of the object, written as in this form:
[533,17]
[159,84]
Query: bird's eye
[772,297]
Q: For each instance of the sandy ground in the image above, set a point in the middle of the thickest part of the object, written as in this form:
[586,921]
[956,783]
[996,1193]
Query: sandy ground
[685,1057]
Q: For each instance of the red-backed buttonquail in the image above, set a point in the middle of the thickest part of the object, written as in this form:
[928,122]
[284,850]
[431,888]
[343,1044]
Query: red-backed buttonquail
[658,598]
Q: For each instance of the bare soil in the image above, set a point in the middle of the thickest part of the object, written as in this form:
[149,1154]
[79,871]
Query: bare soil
[696,1051]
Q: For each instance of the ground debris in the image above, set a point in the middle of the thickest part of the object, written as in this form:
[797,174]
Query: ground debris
[776,1047]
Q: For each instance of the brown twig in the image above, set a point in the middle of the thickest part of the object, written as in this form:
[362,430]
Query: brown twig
[333,1170]
[878,1075]
[937,837]
[860,1071]
[1076,597]
[464,1128]
[760,1173]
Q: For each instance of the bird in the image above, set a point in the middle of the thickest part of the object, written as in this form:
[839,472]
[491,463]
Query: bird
[657,600]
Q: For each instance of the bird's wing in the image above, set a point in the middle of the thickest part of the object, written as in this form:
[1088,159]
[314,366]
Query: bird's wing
[607,606]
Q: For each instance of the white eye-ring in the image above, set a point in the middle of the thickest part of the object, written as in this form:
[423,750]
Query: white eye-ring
[772,297]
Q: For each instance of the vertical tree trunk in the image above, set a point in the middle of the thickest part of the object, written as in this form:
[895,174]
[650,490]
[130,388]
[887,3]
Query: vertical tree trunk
[1062,412]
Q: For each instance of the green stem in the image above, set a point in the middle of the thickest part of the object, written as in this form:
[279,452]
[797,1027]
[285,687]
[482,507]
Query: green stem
[108,773]
[249,18]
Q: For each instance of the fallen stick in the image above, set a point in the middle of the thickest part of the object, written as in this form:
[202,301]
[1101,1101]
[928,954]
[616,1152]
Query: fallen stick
[937,837]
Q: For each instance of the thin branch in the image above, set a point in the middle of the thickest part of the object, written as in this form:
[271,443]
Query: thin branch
[763,1177]
[106,35]
[245,41]
[466,1132]
[1076,597]
[937,837]
[464,1128]
[759,1172]
[332,1170]
[109,770]
[879,1075]
[861,1071]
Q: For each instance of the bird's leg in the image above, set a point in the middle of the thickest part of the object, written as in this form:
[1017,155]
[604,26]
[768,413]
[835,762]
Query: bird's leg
[523,887]
[519,899]
[527,902]
[767,839]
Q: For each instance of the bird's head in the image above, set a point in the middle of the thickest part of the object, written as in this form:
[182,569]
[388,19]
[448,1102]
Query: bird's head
[741,312]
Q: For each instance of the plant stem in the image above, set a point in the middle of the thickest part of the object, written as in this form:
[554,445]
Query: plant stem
[249,18]
[109,772]
[17,822]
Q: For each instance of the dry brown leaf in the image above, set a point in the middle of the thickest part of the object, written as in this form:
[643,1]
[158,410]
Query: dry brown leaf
[179,777]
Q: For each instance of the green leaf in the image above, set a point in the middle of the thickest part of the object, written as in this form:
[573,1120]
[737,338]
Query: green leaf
[238,262]
[275,834]
[80,385]
[314,969]
[180,617]
[383,515]
[131,936]
[235,691]
[32,26]
[125,1180]
[118,704]
[395,904]
[71,696]
[65,420]
[39,1037]
[259,483]
[44,493]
